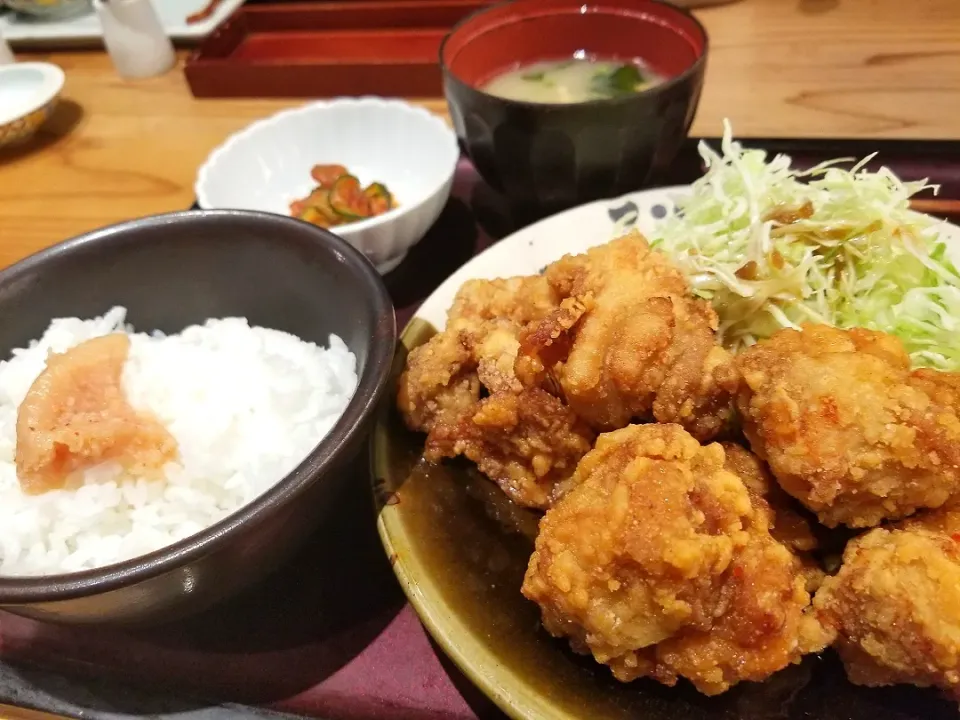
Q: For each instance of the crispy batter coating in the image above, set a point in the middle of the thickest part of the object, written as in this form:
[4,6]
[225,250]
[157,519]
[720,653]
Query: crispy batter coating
[896,604]
[522,437]
[766,625]
[846,428]
[544,345]
[521,299]
[442,377]
[494,346]
[526,442]
[620,312]
[658,564]
[645,348]
[439,382]
[76,415]
[786,524]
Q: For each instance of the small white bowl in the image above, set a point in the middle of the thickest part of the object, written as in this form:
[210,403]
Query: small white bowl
[410,150]
[28,94]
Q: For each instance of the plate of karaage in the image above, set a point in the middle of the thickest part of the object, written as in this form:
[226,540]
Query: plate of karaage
[599,510]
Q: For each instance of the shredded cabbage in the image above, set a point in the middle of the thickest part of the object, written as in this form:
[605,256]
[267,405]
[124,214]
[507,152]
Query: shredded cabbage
[773,247]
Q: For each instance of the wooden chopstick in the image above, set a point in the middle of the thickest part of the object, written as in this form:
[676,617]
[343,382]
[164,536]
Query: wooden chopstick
[936,206]
[12,712]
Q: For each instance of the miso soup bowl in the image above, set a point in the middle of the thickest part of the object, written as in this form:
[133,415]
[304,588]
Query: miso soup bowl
[548,157]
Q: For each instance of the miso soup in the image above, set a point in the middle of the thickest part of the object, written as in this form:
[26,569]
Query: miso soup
[572,81]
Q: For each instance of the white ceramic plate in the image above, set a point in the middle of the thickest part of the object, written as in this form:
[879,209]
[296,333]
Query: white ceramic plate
[84,30]
[469,623]
[573,231]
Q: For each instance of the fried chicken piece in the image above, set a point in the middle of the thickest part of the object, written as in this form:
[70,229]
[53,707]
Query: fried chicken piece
[658,563]
[526,442]
[495,346]
[544,345]
[442,377]
[521,299]
[645,348]
[846,428]
[491,314]
[786,525]
[767,624]
[76,415]
[439,382]
[896,604]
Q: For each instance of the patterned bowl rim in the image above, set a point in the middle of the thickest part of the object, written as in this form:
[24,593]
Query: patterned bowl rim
[52,79]
[443,133]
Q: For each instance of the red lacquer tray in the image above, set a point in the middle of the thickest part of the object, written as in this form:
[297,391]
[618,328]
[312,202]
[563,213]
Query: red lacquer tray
[324,49]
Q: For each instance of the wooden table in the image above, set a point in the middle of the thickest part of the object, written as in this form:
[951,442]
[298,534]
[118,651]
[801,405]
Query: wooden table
[803,68]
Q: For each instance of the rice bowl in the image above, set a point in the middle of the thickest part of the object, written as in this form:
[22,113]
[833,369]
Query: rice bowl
[245,405]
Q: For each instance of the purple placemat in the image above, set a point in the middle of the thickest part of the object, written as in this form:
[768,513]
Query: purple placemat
[329,634]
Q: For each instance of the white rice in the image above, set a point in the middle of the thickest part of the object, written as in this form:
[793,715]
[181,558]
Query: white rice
[245,404]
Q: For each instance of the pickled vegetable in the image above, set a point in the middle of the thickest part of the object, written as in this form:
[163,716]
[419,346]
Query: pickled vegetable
[326,175]
[348,200]
[313,216]
[379,198]
[340,198]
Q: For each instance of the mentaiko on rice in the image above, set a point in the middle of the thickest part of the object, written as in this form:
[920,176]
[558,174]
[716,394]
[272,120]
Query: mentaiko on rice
[223,410]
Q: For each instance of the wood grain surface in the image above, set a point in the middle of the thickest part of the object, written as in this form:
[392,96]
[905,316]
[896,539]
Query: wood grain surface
[11,712]
[778,68]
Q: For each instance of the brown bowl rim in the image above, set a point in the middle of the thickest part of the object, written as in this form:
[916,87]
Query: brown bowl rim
[695,67]
[372,383]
